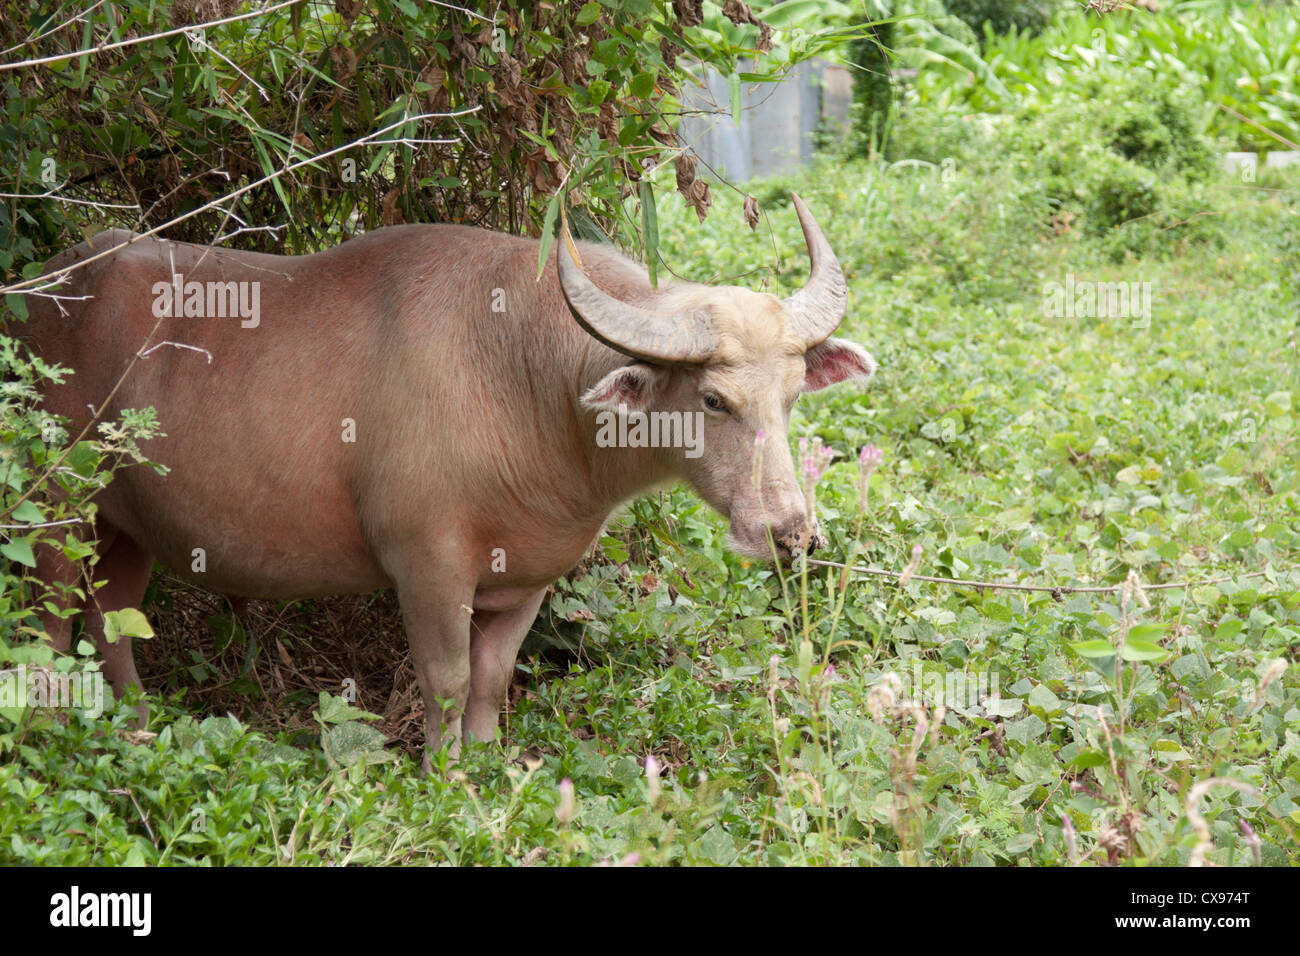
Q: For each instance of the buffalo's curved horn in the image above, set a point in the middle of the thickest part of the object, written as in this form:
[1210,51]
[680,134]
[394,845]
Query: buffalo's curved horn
[819,307]
[667,338]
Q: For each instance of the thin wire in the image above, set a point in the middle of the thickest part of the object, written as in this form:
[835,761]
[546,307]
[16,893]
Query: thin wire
[1056,591]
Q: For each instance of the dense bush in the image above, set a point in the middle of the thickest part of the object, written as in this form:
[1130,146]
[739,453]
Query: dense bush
[1239,58]
[514,104]
[1003,16]
[1129,171]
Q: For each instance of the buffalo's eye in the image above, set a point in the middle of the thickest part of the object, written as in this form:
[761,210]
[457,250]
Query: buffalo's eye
[714,403]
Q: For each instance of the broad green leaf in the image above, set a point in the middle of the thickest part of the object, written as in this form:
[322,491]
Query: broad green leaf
[1089,758]
[1097,648]
[1228,628]
[28,513]
[128,622]
[548,231]
[17,303]
[1146,631]
[643,84]
[19,550]
[1139,650]
[650,227]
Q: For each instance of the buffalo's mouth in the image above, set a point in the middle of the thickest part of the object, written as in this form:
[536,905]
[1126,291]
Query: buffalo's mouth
[785,548]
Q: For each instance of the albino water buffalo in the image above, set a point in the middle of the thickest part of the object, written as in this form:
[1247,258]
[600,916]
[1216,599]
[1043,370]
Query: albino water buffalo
[416,409]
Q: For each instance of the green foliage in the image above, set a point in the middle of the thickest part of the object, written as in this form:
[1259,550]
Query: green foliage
[49,480]
[1239,59]
[906,36]
[873,88]
[1131,172]
[572,93]
[1003,16]
[1156,131]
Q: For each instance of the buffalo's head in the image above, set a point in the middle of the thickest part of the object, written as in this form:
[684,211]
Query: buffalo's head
[742,359]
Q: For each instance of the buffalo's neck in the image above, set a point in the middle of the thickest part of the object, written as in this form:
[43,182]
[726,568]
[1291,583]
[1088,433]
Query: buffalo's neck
[615,471]
[566,487]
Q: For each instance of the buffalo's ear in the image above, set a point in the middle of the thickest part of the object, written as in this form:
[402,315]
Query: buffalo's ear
[632,386]
[834,361]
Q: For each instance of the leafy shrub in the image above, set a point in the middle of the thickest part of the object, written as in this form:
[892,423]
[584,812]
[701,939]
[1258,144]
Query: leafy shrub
[933,135]
[50,479]
[1158,131]
[1003,16]
[873,89]
[1126,158]
[1239,57]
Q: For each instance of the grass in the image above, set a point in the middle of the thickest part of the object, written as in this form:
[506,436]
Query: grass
[794,730]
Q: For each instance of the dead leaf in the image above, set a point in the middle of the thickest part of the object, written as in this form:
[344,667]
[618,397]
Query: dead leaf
[700,198]
[690,13]
[392,213]
[685,165]
[739,13]
[534,855]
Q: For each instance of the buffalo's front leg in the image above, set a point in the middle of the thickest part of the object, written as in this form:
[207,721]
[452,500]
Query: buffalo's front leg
[495,637]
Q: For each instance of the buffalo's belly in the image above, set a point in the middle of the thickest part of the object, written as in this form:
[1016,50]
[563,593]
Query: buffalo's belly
[239,542]
[505,598]
[516,566]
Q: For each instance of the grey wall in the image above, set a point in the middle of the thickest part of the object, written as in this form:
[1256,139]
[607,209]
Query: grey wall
[777,120]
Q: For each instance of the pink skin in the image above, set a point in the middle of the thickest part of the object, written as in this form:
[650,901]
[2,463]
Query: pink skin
[724,474]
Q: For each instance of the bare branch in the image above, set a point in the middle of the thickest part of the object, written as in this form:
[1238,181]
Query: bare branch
[217,203]
[132,41]
[1055,591]
[471,13]
[180,345]
[44,524]
[53,194]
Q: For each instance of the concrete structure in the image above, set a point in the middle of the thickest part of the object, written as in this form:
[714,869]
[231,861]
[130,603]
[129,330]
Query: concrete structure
[777,120]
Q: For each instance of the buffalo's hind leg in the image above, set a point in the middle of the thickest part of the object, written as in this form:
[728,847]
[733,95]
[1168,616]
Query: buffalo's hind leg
[59,575]
[124,568]
[495,637]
